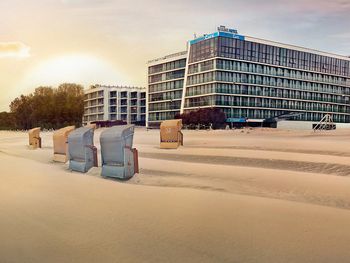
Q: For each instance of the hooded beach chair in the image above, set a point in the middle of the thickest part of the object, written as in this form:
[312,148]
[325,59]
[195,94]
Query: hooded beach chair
[34,138]
[82,153]
[60,144]
[171,136]
[119,159]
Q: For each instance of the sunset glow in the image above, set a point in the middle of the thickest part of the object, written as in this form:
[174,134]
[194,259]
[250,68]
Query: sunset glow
[76,68]
[110,41]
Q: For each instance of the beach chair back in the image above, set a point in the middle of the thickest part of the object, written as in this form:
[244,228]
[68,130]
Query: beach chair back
[60,144]
[34,138]
[170,134]
[118,158]
[81,149]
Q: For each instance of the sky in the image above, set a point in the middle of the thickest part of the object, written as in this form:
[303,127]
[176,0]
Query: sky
[48,42]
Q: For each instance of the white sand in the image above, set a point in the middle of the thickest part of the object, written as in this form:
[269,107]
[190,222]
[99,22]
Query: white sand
[226,196]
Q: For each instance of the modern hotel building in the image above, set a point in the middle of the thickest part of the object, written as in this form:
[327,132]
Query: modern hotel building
[165,88]
[110,103]
[250,79]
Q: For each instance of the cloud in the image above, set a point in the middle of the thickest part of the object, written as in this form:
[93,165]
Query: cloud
[14,50]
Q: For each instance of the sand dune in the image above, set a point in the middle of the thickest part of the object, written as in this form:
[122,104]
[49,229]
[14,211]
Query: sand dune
[226,196]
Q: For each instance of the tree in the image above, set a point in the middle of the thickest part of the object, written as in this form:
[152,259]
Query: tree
[22,110]
[49,107]
[6,121]
[206,116]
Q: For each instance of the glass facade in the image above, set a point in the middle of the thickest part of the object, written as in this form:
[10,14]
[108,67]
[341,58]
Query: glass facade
[267,54]
[259,81]
[250,78]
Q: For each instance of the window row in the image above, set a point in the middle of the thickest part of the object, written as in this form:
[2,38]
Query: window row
[124,94]
[280,72]
[93,95]
[264,80]
[202,66]
[177,84]
[171,95]
[167,76]
[161,116]
[94,118]
[201,78]
[93,110]
[278,82]
[167,66]
[126,102]
[265,91]
[169,105]
[93,103]
[222,100]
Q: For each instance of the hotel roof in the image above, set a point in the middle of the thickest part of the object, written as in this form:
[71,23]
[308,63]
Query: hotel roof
[295,47]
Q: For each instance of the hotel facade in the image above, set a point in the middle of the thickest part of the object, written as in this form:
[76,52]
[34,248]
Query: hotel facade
[249,79]
[111,103]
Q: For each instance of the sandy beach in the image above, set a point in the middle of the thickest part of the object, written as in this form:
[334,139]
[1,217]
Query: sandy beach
[261,195]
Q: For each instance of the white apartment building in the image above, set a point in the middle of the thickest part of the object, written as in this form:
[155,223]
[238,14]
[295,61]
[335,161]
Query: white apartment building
[111,103]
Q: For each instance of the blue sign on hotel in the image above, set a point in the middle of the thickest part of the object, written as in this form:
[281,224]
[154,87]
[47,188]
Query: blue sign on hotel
[236,120]
[217,34]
